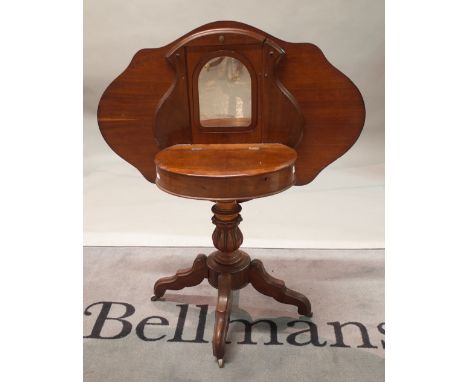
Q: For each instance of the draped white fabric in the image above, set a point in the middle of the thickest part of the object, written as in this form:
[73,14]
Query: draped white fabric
[342,208]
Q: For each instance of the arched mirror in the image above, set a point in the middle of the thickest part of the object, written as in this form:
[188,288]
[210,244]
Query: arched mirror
[225,93]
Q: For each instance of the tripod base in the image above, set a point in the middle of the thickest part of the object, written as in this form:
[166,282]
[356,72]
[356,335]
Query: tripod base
[226,278]
[229,269]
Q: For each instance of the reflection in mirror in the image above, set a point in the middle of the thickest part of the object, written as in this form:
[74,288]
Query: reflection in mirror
[224,93]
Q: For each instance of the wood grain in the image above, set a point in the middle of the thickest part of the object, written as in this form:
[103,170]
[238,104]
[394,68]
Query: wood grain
[305,115]
[332,108]
[222,315]
[273,287]
[225,171]
[183,278]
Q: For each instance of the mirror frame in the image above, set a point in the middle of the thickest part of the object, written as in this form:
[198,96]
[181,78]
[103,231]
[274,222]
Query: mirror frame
[148,106]
[195,92]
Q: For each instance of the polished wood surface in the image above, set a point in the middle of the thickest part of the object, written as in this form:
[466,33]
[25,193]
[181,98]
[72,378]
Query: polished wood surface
[222,316]
[229,269]
[183,278]
[225,171]
[321,116]
[273,287]
[219,160]
[305,114]
[228,122]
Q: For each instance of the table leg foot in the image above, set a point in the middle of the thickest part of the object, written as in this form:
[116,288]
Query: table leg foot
[273,287]
[223,313]
[183,278]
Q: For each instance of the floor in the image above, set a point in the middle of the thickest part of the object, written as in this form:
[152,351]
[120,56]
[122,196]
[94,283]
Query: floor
[130,338]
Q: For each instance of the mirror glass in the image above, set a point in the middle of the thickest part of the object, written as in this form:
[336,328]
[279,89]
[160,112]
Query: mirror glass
[224,93]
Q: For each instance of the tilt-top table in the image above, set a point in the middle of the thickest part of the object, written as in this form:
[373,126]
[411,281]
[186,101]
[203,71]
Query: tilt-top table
[228,113]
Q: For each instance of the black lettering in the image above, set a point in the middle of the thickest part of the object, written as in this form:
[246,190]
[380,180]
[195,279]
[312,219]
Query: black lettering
[312,330]
[104,316]
[181,323]
[248,332]
[140,328]
[339,335]
[201,324]
[381,329]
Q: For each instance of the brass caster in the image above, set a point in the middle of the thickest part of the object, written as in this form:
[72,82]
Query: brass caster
[221,362]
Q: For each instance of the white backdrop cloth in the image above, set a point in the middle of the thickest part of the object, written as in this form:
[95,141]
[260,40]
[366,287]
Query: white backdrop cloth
[342,208]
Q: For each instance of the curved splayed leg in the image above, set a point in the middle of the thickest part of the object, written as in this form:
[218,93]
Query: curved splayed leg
[223,313]
[270,286]
[183,278]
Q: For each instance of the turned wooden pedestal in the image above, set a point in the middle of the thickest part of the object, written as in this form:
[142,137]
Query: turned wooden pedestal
[228,269]
[304,114]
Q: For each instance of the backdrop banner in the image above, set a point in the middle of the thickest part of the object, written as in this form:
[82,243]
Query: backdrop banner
[342,208]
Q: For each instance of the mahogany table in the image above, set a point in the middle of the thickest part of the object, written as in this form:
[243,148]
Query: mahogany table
[229,113]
